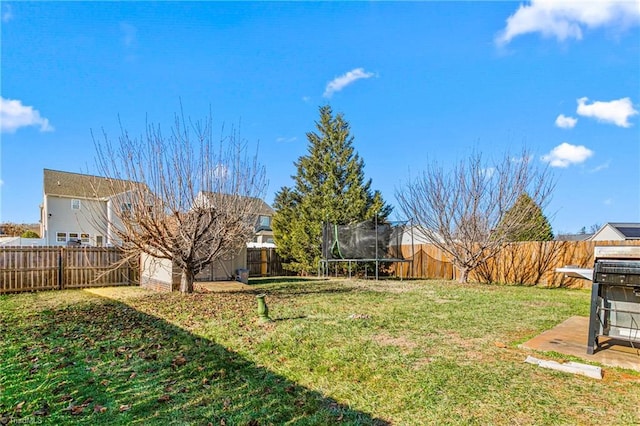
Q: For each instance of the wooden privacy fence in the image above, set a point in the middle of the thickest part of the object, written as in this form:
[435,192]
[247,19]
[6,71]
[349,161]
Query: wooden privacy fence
[265,262]
[517,263]
[58,268]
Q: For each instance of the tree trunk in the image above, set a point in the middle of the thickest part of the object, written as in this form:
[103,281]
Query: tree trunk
[464,275]
[186,281]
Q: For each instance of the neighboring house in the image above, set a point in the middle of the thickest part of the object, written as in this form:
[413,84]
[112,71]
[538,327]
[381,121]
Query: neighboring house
[573,237]
[164,275]
[79,209]
[617,231]
[263,234]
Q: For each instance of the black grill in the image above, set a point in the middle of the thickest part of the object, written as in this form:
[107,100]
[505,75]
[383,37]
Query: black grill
[615,296]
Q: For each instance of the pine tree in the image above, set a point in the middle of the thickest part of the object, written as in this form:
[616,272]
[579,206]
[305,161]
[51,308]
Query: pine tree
[527,222]
[329,187]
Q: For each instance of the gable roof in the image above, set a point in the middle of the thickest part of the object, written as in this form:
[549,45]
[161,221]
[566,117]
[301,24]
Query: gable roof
[68,184]
[262,207]
[629,231]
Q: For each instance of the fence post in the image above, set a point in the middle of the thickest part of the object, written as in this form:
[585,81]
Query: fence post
[263,262]
[60,268]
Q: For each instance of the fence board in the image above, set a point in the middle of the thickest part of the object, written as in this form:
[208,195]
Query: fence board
[49,268]
[520,263]
[265,262]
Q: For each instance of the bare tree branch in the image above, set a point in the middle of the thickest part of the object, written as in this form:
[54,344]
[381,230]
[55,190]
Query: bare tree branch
[464,211]
[182,197]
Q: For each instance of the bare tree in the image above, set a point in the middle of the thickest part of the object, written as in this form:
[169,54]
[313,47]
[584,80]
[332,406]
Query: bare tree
[464,211]
[182,197]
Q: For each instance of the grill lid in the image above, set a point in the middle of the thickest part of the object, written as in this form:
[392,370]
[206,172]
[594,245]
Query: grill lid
[617,252]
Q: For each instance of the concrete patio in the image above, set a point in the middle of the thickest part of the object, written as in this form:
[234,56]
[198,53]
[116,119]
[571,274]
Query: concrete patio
[570,338]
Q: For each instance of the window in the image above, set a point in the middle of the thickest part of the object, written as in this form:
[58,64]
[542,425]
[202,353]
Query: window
[75,204]
[61,237]
[84,238]
[99,240]
[264,222]
[73,235]
[125,209]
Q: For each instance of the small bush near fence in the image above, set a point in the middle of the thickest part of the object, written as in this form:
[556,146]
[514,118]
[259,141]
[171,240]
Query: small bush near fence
[58,268]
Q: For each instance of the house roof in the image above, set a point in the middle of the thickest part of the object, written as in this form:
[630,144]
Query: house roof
[573,237]
[627,230]
[68,184]
[262,207]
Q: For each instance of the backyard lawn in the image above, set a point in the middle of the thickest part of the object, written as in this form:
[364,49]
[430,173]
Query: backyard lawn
[349,352]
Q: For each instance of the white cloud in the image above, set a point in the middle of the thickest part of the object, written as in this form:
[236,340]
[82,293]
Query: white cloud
[14,115]
[565,19]
[286,140]
[339,83]
[566,154]
[565,122]
[7,13]
[616,112]
[129,34]
[608,202]
[488,172]
[601,167]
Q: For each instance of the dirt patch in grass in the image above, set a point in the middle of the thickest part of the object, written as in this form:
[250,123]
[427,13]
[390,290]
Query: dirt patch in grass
[383,286]
[400,342]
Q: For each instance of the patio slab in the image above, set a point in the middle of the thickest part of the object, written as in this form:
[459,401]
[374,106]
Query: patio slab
[570,338]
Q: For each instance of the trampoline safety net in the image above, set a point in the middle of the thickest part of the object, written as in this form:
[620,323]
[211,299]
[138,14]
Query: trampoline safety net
[363,241]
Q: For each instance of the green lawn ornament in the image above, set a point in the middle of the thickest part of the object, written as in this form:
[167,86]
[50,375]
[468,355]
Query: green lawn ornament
[263,310]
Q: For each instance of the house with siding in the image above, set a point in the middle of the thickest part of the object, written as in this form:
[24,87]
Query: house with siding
[80,209]
[617,231]
[164,275]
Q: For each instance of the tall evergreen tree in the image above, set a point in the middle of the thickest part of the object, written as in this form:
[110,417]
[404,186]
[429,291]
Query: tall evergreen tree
[530,224]
[329,187]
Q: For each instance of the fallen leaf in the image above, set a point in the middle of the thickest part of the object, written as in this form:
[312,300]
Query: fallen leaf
[179,360]
[76,409]
[99,409]
[500,344]
[18,408]
[43,411]
[105,382]
[164,398]
[133,375]
[125,407]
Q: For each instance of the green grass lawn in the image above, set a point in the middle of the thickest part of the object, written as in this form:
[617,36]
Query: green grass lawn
[350,352]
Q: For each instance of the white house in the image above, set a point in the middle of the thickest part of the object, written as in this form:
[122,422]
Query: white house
[164,275]
[263,236]
[617,231]
[78,209]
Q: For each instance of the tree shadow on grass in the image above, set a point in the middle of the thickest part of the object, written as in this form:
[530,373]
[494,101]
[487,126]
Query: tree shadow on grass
[103,362]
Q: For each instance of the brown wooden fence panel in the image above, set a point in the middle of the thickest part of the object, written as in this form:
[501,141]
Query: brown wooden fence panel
[265,262]
[519,263]
[50,268]
[28,269]
[96,267]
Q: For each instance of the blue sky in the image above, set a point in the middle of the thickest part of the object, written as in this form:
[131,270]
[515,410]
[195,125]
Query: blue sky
[417,81]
